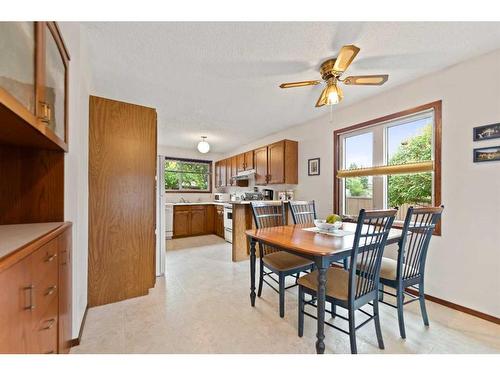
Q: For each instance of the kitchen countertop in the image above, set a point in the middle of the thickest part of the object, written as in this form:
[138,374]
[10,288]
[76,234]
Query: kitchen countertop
[213,202]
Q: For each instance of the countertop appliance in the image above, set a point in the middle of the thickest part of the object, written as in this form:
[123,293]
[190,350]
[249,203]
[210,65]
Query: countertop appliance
[268,194]
[253,196]
[221,197]
[228,223]
[169,220]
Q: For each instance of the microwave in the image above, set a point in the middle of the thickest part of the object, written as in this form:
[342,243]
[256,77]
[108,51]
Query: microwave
[221,197]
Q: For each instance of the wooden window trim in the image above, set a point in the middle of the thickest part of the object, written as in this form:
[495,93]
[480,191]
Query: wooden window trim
[437,107]
[210,183]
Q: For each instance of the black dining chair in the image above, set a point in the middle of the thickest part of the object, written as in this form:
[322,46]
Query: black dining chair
[303,212]
[281,263]
[409,268]
[358,286]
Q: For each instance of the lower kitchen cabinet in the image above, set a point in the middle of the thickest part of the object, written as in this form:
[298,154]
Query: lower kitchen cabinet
[198,220]
[219,221]
[35,294]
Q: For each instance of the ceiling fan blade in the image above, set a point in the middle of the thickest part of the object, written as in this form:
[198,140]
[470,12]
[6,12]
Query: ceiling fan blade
[374,80]
[345,57]
[288,85]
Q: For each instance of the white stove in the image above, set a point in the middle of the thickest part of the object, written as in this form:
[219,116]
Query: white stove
[228,223]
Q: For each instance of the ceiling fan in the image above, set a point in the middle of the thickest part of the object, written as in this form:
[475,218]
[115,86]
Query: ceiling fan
[331,70]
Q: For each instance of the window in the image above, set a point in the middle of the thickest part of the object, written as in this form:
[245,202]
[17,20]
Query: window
[185,175]
[393,161]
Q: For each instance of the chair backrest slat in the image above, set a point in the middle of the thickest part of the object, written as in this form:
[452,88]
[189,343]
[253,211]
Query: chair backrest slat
[303,212]
[418,228]
[370,238]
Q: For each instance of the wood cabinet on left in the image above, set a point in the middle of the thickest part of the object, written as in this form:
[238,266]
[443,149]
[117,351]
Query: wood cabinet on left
[33,85]
[35,293]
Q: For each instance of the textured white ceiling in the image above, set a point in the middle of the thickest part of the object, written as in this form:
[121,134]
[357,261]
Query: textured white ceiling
[221,79]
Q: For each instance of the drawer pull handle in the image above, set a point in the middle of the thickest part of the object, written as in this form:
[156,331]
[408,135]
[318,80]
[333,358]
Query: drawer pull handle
[51,258]
[51,290]
[31,306]
[49,326]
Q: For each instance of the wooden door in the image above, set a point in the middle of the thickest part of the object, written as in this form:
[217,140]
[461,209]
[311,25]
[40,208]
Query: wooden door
[65,292]
[229,173]
[260,159]
[223,174]
[122,213]
[198,220]
[240,163]
[249,160]
[16,296]
[276,163]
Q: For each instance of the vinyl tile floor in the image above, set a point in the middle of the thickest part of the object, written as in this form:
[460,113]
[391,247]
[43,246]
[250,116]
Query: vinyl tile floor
[202,305]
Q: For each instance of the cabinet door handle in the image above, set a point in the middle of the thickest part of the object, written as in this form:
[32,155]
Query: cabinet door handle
[49,326]
[31,305]
[51,290]
[50,258]
[45,112]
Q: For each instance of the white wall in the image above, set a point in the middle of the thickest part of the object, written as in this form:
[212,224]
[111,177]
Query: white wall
[188,154]
[76,164]
[463,265]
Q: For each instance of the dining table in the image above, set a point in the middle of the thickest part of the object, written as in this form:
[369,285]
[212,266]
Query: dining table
[321,247]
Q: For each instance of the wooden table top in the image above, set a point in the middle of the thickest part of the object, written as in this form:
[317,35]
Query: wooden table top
[294,237]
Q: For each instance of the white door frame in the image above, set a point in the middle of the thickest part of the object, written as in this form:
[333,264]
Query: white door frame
[160,217]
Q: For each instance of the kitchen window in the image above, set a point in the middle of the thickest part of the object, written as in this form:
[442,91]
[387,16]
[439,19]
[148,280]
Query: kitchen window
[188,175]
[393,161]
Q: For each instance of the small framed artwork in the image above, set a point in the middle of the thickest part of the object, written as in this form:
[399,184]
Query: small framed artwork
[482,133]
[487,154]
[313,167]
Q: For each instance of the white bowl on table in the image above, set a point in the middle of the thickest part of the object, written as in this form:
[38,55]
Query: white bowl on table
[323,225]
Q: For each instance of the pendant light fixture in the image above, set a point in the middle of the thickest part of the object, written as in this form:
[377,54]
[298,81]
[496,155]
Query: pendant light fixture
[203,145]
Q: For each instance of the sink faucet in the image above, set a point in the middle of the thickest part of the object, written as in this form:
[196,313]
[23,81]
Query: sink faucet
[183,200]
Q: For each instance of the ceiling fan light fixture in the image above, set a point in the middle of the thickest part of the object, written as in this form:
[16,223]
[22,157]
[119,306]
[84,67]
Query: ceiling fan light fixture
[203,145]
[331,95]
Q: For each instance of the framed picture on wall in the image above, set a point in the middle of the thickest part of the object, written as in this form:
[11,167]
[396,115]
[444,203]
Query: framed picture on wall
[313,167]
[482,133]
[487,154]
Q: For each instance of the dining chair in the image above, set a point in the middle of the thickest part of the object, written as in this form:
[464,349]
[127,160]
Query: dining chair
[409,268]
[280,263]
[304,212]
[358,286]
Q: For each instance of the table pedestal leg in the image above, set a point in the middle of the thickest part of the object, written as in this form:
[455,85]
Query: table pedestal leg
[252,271]
[320,345]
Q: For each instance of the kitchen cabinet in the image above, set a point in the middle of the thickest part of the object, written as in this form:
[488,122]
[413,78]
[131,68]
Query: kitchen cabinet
[33,85]
[260,159]
[193,220]
[198,220]
[35,292]
[219,221]
[248,160]
[218,182]
[223,174]
[234,170]
[240,163]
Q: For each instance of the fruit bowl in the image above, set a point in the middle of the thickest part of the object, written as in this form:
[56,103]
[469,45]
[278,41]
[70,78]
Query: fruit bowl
[323,225]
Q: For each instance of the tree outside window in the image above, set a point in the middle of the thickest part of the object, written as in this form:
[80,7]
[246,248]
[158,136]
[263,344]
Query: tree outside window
[187,175]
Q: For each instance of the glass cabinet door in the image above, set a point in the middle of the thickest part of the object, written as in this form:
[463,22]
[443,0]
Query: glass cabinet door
[17,61]
[54,108]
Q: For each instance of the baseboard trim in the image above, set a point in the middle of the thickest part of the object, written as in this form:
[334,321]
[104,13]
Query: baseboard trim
[457,307]
[76,342]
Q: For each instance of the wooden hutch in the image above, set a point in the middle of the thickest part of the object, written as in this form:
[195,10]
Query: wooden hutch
[35,241]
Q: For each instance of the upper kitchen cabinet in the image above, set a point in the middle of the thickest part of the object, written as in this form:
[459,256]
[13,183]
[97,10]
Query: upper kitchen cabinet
[223,174]
[248,160]
[260,158]
[33,85]
[52,81]
[283,163]
[240,163]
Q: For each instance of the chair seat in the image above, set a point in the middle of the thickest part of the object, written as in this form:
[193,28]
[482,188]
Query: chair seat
[389,269]
[337,282]
[283,261]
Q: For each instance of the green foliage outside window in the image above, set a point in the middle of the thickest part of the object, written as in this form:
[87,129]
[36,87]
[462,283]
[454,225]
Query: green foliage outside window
[357,186]
[414,188]
[187,175]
